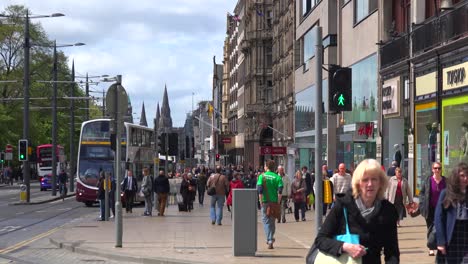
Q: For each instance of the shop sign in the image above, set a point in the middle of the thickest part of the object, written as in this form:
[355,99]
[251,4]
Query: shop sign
[426,84]
[455,76]
[390,97]
[364,131]
[269,150]
[226,140]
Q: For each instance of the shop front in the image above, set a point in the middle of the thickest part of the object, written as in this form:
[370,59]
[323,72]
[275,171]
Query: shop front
[454,128]
[426,127]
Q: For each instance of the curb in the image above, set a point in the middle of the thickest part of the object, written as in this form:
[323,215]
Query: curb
[75,247]
[44,201]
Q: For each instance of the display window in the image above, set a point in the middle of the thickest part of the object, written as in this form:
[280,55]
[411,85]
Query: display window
[426,129]
[454,134]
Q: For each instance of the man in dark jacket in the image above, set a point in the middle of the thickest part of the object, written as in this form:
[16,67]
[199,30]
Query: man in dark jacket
[129,187]
[161,188]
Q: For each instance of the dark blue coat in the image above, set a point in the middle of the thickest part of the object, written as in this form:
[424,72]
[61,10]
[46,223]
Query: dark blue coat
[444,221]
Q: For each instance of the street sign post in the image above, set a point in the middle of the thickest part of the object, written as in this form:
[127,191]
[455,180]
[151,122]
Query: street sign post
[117,107]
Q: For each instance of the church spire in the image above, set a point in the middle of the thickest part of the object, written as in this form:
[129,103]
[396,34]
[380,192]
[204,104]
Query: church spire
[165,120]
[156,119]
[143,116]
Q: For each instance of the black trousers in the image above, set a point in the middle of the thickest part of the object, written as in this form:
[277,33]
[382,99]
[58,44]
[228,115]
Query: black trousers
[129,198]
[201,194]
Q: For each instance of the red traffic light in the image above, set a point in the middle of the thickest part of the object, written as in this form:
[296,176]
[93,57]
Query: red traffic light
[217,157]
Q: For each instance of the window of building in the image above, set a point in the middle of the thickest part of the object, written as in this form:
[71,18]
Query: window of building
[364,85]
[362,8]
[269,57]
[309,45]
[454,134]
[426,141]
[308,5]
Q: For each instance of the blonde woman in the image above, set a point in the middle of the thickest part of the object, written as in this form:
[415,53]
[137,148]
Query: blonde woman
[369,215]
[399,193]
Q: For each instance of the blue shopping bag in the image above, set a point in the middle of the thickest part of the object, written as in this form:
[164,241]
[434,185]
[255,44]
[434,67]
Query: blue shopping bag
[348,237]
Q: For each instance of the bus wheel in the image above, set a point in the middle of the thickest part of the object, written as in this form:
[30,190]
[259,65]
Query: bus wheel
[89,204]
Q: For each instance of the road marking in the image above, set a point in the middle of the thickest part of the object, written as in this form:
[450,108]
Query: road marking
[27,242]
[19,213]
[9,228]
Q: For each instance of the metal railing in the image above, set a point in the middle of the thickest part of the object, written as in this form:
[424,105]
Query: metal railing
[394,51]
[442,29]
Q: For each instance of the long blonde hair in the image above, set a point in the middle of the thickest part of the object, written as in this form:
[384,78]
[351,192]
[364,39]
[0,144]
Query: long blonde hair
[370,166]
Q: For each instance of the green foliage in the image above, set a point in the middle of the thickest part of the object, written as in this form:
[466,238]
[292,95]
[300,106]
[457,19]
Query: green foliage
[41,69]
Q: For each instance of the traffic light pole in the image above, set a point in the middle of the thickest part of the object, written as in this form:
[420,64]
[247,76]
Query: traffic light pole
[318,130]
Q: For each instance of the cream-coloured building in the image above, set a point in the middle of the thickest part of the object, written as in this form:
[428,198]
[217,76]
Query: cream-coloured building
[349,35]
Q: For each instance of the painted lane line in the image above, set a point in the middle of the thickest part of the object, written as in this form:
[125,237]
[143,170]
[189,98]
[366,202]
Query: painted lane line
[27,242]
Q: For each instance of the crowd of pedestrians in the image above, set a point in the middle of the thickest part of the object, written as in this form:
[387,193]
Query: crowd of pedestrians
[367,204]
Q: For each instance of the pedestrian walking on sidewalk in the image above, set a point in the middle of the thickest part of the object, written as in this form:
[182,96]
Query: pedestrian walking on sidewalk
[341,180]
[201,184]
[451,218]
[399,193]
[286,194]
[147,189]
[270,188]
[185,191]
[221,184]
[101,195]
[428,197]
[371,220]
[161,188]
[129,187]
[236,183]
[298,194]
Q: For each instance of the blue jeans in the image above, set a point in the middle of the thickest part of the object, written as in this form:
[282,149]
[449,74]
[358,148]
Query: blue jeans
[268,225]
[216,208]
[102,206]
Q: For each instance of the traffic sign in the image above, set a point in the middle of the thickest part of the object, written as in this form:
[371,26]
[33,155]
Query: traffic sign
[8,148]
[8,156]
[121,103]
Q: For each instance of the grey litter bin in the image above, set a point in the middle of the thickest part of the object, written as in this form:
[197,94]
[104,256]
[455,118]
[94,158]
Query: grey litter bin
[244,222]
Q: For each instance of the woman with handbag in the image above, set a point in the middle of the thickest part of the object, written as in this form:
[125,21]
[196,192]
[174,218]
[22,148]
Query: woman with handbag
[451,218]
[428,197]
[362,224]
[399,193]
[298,189]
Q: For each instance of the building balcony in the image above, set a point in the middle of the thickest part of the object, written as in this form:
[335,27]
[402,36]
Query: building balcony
[441,30]
[259,35]
[394,51]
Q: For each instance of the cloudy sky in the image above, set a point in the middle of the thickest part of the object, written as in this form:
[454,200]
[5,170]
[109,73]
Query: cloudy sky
[149,42]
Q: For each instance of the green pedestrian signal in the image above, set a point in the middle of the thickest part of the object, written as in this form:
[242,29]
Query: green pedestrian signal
[340,92]
[341,100]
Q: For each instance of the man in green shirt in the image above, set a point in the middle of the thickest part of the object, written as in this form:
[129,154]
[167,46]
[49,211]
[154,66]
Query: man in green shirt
[270,187]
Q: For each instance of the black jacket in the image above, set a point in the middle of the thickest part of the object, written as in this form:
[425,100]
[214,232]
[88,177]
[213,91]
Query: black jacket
[379,231]
[161,184]
[134,183]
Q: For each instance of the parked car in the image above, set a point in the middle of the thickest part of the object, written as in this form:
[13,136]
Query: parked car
[46,182]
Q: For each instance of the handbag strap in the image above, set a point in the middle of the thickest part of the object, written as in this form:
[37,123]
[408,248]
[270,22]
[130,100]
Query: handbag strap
[346,220]
[219,176]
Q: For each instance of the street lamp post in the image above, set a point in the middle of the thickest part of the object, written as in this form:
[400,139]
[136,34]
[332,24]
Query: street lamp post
[54,119]
[72,130]
[26,73]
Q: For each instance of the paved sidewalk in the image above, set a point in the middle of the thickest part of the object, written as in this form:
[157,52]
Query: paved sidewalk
[182,237]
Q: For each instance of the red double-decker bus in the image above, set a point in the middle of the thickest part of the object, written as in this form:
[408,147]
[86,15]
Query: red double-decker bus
[44,159]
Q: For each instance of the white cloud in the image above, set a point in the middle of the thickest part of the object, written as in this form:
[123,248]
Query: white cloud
[149,42]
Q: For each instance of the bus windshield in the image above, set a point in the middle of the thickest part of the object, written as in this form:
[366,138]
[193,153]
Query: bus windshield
[89,170]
